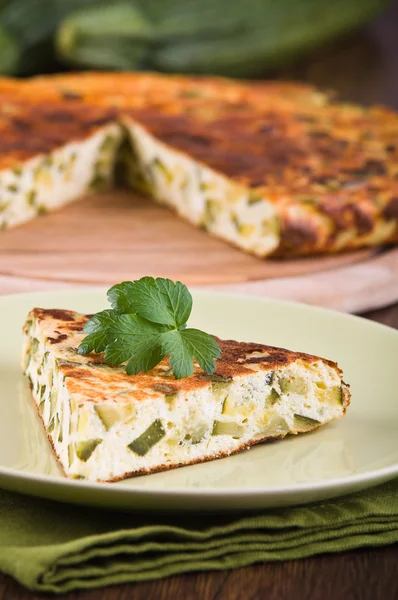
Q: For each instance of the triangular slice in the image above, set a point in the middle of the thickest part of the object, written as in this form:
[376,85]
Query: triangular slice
[52,152]
[105,425]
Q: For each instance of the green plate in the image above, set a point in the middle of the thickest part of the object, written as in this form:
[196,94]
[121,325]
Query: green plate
[356,452]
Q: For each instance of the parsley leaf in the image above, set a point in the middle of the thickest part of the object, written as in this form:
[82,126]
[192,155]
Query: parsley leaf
[120,296]
[131,334]
[98,330]
[158,300]
[147,358]
[183,346]
[146,324]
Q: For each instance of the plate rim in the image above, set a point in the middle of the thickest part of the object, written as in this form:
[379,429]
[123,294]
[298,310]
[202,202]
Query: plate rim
[360,480]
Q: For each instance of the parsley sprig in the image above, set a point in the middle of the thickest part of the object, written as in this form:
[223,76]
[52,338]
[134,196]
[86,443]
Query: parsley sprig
[147,322]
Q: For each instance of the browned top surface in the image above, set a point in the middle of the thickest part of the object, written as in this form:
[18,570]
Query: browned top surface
[29,127]
[91,377]
[329,167]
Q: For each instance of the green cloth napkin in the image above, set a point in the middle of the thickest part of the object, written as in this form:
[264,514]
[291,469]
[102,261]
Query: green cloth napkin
[53,547]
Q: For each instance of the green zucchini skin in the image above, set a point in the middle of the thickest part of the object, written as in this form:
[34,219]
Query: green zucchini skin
[237,38]
[272,35]
[10,52]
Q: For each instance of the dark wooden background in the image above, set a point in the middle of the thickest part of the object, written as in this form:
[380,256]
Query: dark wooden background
[363,68]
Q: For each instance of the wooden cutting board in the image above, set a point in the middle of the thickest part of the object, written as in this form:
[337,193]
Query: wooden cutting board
[116,236]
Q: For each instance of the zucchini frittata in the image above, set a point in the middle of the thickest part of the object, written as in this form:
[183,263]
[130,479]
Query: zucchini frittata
[275,168]
[105,425]
[51,154]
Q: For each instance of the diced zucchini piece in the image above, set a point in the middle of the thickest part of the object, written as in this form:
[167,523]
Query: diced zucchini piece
[331,395]
[31,197]
[247,229]
[51,425]
[34,345]
[272,425]
[196,436]
[108,144]
[220,385]
[41,210]
[85,449]
[219,389]
[41,405]
[148,439]
[273,396]
[296,385]
[228,428]
[110,414]
[43,177]
[211,210]
[215,378]
[254,199]
[71,454]
[271,225]
[225,407]
[82,420]
[233,409]
[56,422]
[302,423]
[169,398]
[160,166]
[47,162]
[28,325]
[53,401]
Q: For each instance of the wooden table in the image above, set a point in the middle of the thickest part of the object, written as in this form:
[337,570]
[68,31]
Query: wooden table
[362,68]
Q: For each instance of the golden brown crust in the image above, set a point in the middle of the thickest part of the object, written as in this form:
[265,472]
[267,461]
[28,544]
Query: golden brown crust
[63,329]
[29,128]
[330,169]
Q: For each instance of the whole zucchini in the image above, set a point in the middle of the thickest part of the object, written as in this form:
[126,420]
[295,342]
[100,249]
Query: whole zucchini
[34,23]
[226,37]
[271,34]
[10,52]
[105,37]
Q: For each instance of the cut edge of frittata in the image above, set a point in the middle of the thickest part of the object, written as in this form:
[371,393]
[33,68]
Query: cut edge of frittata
[49,181]
[105,425]
[199,194]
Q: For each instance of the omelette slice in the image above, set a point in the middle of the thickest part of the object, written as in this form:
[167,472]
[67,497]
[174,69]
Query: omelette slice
[105,425]
[52,153]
